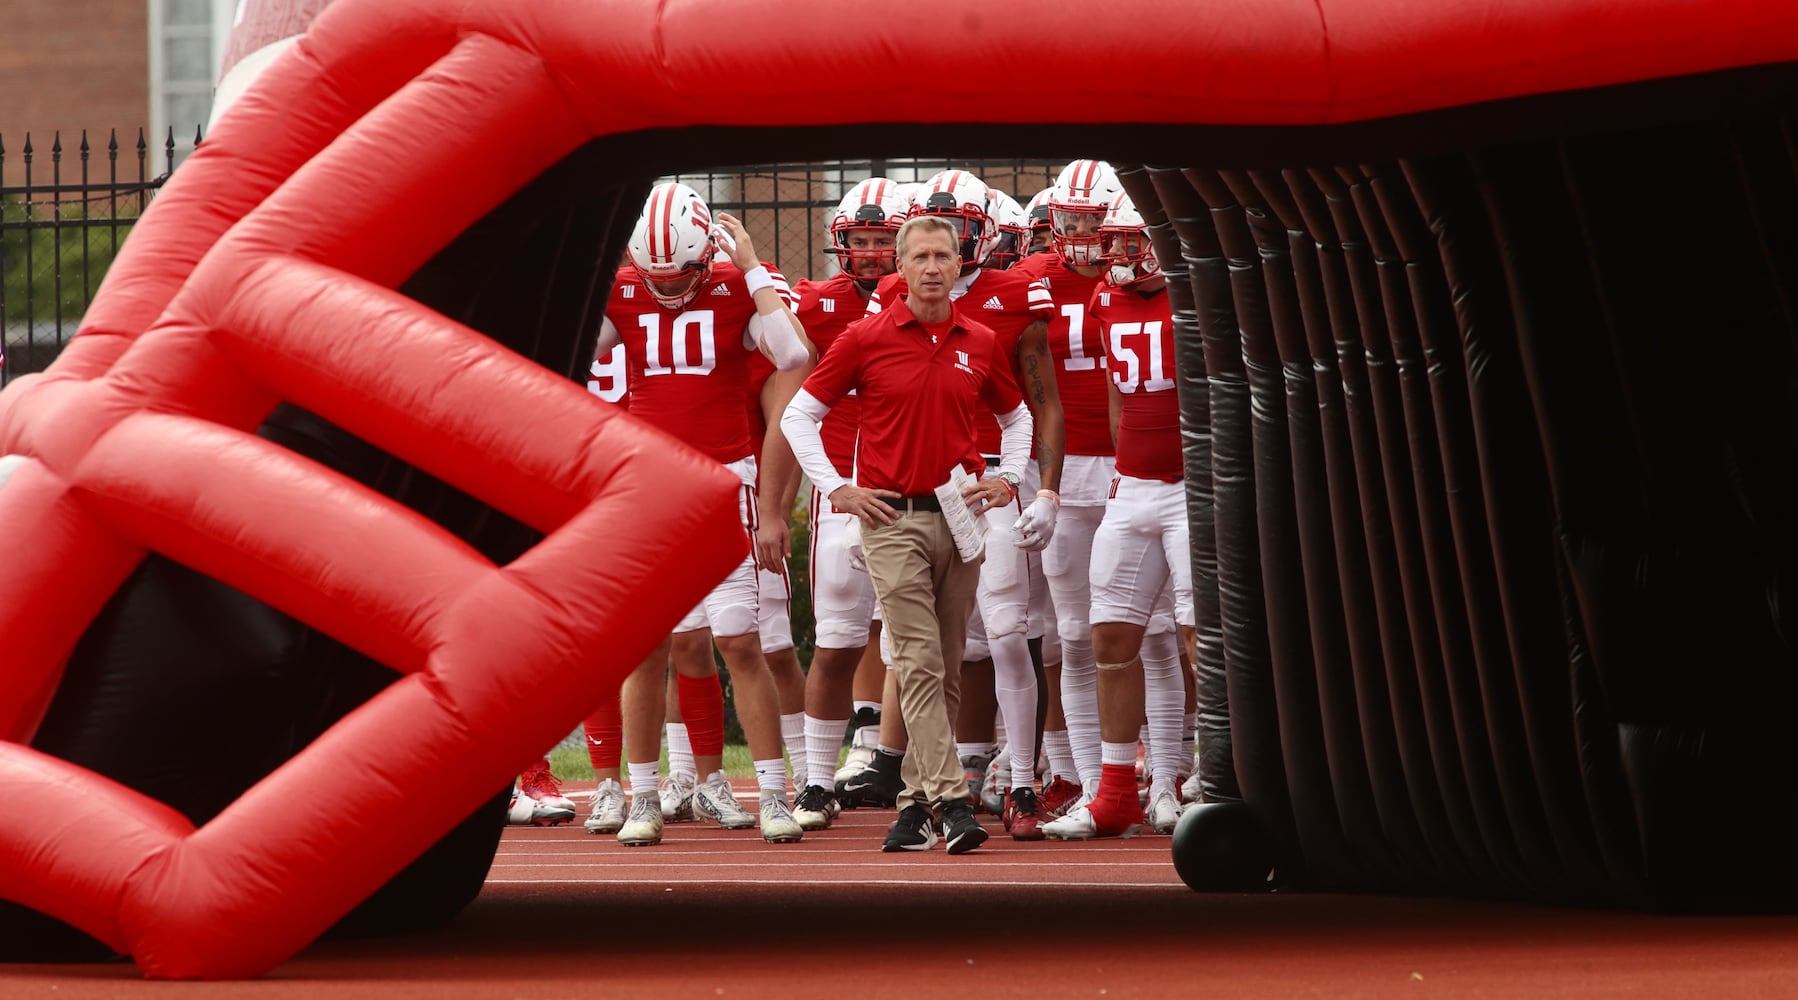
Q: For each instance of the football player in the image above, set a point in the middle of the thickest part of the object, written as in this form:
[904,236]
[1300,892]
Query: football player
[688,322]
[860,236]
[1141,544]
[1076,204]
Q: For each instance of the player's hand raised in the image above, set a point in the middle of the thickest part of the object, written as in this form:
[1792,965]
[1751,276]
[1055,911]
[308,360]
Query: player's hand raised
[735,241]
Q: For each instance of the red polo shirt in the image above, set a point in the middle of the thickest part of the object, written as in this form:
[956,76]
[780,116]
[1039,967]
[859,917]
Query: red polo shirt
[919,399]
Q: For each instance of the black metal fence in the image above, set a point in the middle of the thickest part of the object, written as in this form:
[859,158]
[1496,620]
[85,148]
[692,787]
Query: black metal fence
[64,212]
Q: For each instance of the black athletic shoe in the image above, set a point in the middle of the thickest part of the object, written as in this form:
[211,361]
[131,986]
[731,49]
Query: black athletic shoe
[912,831]
[961,830]
[815,808]
[862,718]
[878,786]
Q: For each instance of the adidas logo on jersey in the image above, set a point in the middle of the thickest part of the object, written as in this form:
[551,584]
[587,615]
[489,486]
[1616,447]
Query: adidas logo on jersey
[828,305]
[720,289]
[992,303]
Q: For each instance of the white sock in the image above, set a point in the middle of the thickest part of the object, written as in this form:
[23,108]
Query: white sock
[1080,706]
[771,775]
[792,733]
[680,751]
[1165,704]
[1061,762]
[823,738]
[643,778]
[1014,685]
[1117,753]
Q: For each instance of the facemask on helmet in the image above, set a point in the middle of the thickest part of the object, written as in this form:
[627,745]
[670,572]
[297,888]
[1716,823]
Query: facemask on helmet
[961,198]
[1014,232]
[1128,253]
[1077,204]
[863,228]
[672,246]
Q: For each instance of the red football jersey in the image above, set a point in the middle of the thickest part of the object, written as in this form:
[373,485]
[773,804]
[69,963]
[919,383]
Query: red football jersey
[1005,301]
[826,308]
[688,369]
[1079,353]
[1139,338]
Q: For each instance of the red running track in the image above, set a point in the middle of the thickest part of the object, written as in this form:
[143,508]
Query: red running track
[716,914]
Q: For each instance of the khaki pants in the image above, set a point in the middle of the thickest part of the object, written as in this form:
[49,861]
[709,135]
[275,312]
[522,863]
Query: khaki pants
[925,593]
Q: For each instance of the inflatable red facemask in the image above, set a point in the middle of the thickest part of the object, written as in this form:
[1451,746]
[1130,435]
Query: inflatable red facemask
[264,273]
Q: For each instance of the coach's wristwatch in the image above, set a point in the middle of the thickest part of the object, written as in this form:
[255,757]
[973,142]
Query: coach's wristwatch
[1012,480]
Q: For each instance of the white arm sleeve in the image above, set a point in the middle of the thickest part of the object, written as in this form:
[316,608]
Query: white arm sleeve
[799,422]
[1015,430]
[780,332]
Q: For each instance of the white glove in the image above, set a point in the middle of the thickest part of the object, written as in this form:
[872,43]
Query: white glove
[856,561]
[1037,525]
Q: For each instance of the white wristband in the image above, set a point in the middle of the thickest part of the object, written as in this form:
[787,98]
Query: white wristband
[757,279]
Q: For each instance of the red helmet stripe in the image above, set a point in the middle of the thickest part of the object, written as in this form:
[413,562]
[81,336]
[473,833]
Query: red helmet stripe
[1091,177]
[662,221]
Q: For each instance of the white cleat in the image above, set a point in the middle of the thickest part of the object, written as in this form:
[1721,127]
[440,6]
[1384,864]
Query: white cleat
[608,808]
[1190,789]
[714,800]
[1076,825]
[1079,824]
[644,827]
[1164,812]
[997,786]
[860,756]
[527,810]
[778,824]
[676,794]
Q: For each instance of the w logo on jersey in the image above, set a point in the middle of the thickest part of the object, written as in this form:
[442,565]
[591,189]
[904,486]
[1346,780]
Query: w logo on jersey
[628,291]
[961,361]
[1105,299]
[828,305]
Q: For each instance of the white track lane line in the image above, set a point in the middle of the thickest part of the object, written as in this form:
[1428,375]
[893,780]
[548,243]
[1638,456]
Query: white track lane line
[786,850]
[835,864]
[954,883]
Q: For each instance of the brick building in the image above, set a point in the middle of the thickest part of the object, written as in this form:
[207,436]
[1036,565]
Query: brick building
[107,64]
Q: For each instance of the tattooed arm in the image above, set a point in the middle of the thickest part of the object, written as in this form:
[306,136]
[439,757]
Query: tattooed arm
[1036,376]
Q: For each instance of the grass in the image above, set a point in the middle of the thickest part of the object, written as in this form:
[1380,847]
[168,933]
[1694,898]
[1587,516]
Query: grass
[572,763]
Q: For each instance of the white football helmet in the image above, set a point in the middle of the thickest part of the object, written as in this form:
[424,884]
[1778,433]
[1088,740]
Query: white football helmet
[962,199]
[872,204]
[1078,201]
[1128,250]
[1014,229]
[672,245]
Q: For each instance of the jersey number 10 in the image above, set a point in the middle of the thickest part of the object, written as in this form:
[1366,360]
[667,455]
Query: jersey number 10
[689,350]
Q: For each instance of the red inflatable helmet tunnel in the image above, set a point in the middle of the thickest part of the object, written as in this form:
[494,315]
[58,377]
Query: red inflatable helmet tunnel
[266,274]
